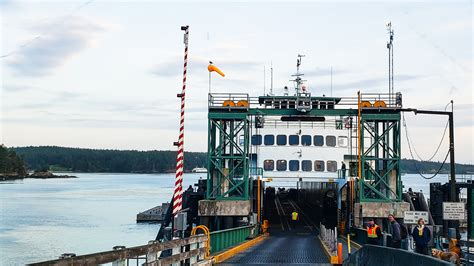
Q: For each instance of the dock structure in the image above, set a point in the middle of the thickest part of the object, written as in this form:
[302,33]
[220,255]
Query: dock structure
[155,214]
[236,216]
[243,219]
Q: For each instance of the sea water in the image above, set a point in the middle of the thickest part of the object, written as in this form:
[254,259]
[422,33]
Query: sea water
[40,219]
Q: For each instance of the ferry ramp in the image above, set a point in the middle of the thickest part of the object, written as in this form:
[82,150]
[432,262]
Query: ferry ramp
[289,242]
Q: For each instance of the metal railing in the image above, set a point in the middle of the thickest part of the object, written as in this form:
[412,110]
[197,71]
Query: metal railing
[256,171]
[224,239]
[329,237]
[218,100]
[188,250]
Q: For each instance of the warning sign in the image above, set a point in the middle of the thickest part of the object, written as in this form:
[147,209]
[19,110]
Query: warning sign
[411,217]
[453,211]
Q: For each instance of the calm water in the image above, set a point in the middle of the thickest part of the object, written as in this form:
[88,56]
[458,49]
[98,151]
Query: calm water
[41,219]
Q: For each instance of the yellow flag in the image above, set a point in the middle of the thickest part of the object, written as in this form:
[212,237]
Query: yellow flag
[213,68]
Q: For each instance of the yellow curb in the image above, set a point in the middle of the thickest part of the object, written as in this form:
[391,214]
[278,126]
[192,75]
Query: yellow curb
[332,258]
[233,251]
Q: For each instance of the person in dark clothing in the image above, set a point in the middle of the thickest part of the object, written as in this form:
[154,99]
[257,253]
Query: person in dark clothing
[396,234]
[374,234]
[422,236]
[343,169]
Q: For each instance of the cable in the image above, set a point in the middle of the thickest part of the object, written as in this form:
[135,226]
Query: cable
[440,142]
[414,161]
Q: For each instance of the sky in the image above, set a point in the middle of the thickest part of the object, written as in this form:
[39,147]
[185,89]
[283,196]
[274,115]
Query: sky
[105,74]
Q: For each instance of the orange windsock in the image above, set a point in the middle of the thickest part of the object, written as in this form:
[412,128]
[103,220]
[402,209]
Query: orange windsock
[213,68]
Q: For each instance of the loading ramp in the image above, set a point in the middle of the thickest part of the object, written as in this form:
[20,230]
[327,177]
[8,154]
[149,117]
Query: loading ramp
[289,242]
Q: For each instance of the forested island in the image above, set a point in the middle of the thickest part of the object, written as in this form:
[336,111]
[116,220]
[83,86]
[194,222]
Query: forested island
[59,159]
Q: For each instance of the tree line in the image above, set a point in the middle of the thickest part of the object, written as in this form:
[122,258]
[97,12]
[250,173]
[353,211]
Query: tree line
[117,161]
[11,163]
[132,161]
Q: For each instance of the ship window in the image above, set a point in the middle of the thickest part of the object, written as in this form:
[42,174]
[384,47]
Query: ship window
[319,166]
[281,140]
[281,165]
[241,140]
[332,166]
[306,140]
[284,104]
[276,104]
[291,105]
[318,140]
[331,141]
[256,140]
[268,165]
[306,165]
[342,141]
[269,140]
[294,165]
[294,140]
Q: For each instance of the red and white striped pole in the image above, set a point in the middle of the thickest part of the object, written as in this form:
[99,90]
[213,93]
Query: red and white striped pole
[178,185]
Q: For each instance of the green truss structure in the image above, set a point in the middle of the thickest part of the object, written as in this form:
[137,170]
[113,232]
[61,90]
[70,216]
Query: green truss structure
[228,160]
[380,161]
[229,170]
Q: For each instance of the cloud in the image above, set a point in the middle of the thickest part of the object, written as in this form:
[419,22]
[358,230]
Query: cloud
[456,25]
[320,72]
[369,83]
[56,42]
[174,67]
[15,88]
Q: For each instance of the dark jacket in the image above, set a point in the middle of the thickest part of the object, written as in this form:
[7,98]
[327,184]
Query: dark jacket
[424,238]
[396,236]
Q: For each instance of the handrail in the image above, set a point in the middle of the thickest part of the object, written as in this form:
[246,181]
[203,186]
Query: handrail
[231,229]
[149,252]
[383,100]
[226,238]
[208,242]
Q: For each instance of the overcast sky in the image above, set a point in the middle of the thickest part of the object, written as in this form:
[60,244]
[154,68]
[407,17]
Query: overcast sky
[104,74]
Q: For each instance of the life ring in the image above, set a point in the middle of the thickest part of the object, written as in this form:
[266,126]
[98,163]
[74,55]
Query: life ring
[380,104]
[365,104]
[243,103]
[228,103]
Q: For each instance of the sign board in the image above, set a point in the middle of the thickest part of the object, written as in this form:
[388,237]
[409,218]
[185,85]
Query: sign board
[411,217]
[269,179]
[453,211]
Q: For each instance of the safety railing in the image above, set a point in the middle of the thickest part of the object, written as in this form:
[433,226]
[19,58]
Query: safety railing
[329,237]
[188,250]
[342,174]
[244,101]
[229,100]
[256,171]
[224,239]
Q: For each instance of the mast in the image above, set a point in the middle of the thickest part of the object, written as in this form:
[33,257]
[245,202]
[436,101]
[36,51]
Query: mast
[178,185]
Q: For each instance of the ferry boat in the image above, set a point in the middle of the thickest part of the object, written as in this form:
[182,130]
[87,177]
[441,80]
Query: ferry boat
[199,170]
[302,147]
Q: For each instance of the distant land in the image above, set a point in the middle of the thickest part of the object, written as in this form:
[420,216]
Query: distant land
[55,158]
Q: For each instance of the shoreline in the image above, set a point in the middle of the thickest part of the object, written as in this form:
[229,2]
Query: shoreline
[48,175]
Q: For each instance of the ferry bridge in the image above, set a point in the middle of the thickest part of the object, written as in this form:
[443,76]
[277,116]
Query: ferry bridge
[236,216]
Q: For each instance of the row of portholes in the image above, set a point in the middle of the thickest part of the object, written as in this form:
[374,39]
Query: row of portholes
[294,165]
[295,140]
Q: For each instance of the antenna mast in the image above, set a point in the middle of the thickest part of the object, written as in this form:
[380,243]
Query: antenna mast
[271,78]
[298,75]
[390,59]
